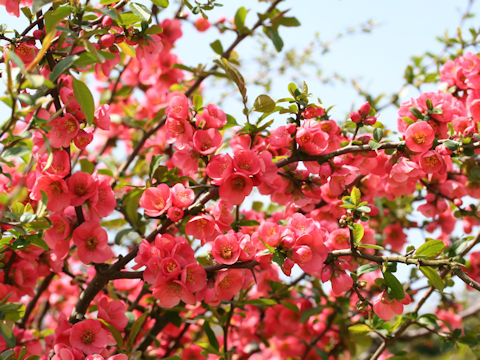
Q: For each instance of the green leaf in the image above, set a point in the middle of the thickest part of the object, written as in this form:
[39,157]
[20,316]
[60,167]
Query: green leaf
[431,249]
[415,112]
[172,357]
[367,268]
[161,3]
[371,246]
[62,66]
[135,329]
[306,314]
[7,334]
[154,165]
[129,18]
[264,302]
[288,21]
[208,349]
[378,134]
[197,102]
[395,288]
[264,104]
[84,98]
[154,29]
[130,203]
[39,242]
[37,4]
[451,145]
[247,223]
[275,37]
[239,19]
[217,47]
[278,258]
[52,18]
[358,232]
[374,145]
[433,277]
[141,11]
[16,60]
[16,151]
[359,329]
[355,195]
[87,166]
[212,338]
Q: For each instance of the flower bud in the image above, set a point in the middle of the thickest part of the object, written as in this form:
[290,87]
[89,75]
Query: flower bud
[107,40]
[355,117]
[364,109]
[107,21]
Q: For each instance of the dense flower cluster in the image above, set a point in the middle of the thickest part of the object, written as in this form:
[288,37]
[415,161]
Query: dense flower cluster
[160,179]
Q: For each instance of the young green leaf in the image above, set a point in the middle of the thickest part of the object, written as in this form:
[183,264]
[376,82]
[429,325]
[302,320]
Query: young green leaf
[433,277]
[84,98]
[395,288]
[431,249]
[264,104]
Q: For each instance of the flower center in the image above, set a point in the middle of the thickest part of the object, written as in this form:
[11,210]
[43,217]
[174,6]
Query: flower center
[88,337]
[91,243]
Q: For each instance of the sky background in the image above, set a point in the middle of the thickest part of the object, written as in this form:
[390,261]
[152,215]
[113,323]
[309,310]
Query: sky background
[377,59]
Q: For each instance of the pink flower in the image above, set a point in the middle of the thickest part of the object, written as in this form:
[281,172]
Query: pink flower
[106,202]
[63,131]
[82,187]
[170,292]
[228,283]
[92,243]
[201,227]
[182,197]
[59,166]
[194,277]
[149,49]
[341,282]
[55,188]
[113,312]
[26,51]
[102,117]
[247,162]
[419,136]
[386,308]
[177,107]
[432,163]
[219,168]
[235,188]
[89,336]
[156,200]
[311,138]
[56,236]
[82,139]
[206,142]
[226,249]
[212,117]
[395,237]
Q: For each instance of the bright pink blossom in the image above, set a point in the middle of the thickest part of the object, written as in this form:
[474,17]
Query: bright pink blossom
[212,117]
[89,336]
[226,248]
[419,136]
[206,142]
[82,187]
[156,200]
[113,312]
[170,292]
[63,131]
[235,188]
[92,243]
[56,190]
[182,197]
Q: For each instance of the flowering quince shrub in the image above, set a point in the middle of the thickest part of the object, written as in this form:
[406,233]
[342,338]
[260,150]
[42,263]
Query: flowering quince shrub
[130,221]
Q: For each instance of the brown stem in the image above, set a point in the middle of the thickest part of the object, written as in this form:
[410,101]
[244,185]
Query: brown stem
[31,305]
